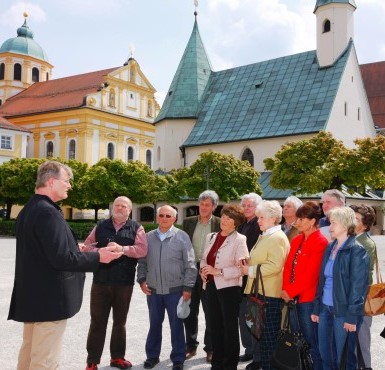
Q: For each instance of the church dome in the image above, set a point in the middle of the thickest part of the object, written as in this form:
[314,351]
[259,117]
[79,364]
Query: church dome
[24,44]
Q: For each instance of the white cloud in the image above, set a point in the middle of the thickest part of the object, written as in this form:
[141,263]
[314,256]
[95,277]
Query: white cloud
[13,15]
[90,8]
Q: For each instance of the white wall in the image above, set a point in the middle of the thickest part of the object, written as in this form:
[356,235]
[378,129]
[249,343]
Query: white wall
[262,149]
[352,92]
[169,136]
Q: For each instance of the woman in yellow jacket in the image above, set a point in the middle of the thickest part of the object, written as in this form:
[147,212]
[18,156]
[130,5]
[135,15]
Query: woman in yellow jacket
[270,252]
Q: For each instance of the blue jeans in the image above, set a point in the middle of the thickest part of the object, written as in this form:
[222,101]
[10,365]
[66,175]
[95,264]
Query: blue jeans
[331,338]
[309,330]
[157,304]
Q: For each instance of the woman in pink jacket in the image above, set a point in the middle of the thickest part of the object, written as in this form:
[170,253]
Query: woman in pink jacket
[222,280]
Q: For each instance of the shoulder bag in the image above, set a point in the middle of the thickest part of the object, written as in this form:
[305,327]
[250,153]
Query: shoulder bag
[291,351]
[375,299]
[360,358]
[255,314]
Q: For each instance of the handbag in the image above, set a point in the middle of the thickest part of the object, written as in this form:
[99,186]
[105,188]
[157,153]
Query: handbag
[291,351]
[255,315]
[360,358]
[375,299]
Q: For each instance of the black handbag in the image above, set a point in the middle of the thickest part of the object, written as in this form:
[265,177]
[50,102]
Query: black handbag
[360,359]
[383,333]
[255,315]
[291,351]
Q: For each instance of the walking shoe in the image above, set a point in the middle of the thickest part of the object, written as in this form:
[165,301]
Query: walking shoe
[246,357]
[177,365]
[121,363]
[191,352]
[150,363]
[91,366]
[253,366]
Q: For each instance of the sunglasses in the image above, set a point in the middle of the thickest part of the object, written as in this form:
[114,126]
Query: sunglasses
[162,215]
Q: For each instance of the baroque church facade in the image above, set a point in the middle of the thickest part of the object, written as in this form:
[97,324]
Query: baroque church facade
[87,117]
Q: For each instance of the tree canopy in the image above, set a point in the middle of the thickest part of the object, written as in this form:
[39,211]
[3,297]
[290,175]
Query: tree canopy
[228,176]
[17,179]
[322,162]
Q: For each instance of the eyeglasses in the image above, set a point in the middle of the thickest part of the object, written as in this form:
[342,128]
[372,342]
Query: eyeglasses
[67,181]
[162,216]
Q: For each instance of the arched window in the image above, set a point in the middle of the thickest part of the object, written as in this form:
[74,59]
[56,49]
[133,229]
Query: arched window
[72,149]
[110,151]
[248,156]
[17,72]
[326,27]
[148,157]
[49,149]
[2,71]
[111,102]
[47,76]
[130,153]
[35,75]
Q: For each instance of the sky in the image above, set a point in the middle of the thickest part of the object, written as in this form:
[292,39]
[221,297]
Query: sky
[82,36]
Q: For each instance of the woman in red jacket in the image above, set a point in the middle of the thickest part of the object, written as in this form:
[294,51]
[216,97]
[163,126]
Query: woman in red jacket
[301,272]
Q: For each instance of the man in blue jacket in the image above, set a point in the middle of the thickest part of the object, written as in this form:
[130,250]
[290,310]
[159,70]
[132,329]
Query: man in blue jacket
[49,272]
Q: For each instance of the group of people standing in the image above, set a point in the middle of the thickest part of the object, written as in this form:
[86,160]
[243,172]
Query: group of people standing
[212,260]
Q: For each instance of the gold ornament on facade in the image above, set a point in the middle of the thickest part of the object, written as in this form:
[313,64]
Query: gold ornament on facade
[91,101]
[131,140]
[49,136]
[73,132]
[111,136]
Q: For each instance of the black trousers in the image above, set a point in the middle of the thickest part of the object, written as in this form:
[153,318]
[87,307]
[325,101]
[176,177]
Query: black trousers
[223,310]
[198,295]
[103,299]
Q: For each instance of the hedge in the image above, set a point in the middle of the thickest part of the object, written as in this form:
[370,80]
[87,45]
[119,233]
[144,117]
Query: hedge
[81,229]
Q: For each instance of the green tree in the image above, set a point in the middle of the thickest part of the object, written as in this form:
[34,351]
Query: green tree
[305,165]
[364,165]
[322,162]
[77,197]
[107,179]
[228,176]
[17,179]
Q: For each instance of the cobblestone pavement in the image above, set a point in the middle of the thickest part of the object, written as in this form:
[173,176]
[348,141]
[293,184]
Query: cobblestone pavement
[74,352]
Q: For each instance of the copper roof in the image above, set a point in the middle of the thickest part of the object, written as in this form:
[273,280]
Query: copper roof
[4,123]
[373,75]
[59,94]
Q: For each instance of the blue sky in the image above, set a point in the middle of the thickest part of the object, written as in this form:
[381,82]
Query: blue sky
[87,35]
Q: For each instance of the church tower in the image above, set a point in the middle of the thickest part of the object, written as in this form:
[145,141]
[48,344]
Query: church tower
[22,63]
[335,28]
[179,111]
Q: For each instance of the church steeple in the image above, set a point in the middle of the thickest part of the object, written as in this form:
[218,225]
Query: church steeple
[335,28]
[189,82]
[324,2]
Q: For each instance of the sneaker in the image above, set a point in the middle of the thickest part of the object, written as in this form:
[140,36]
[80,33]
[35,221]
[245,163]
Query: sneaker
[121,363]
[91,366]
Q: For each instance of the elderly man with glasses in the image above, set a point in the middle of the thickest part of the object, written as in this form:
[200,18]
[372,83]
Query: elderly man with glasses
[166,274]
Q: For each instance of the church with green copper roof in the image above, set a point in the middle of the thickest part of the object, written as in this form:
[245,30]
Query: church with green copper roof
[251,111]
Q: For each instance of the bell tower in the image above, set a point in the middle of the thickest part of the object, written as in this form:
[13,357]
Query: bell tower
[335,28]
